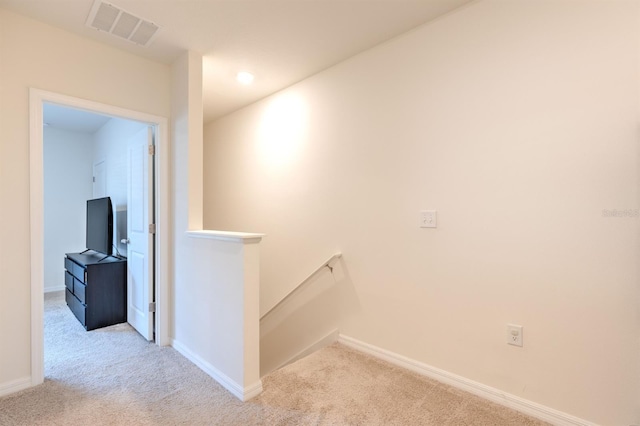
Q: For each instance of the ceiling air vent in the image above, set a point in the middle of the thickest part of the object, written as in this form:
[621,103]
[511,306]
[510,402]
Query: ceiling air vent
[113,20]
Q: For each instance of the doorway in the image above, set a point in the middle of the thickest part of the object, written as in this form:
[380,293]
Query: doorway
[99,179]
[160,205]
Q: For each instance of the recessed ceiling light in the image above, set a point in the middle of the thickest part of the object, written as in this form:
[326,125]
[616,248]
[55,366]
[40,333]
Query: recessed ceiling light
[245,78]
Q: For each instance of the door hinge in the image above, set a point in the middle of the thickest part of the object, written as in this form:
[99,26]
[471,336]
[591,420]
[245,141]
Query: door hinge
[152,150]
[152,306]
[152,228]
[94,179]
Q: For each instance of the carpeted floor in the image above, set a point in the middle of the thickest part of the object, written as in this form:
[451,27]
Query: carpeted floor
[112,376]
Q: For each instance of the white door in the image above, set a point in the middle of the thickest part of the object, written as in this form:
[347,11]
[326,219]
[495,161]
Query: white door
[99,180]
[140,248]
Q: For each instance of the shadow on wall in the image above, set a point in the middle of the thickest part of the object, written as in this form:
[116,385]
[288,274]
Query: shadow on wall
[309,320]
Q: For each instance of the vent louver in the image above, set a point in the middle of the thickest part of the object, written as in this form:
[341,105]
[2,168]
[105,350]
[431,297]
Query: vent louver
[113,20]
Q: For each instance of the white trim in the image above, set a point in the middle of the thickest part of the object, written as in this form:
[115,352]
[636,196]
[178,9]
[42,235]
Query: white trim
[15,386]
[54,289]
[239,391]
[36,225]
[522,405]
[236,237]
[253,390]
[36,99]
[163,230]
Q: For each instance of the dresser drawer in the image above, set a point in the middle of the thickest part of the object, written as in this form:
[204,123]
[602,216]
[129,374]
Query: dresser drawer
[74,269]
[76,307]
[96,289]
[68,281]
[79,290]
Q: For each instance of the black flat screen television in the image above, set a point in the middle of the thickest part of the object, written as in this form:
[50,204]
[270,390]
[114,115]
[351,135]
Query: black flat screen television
[100,225]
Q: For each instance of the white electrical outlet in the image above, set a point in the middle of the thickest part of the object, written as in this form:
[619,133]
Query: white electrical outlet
[514,334]
[428,219]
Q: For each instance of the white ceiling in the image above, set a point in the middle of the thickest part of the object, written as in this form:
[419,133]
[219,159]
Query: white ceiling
[280,41]
[71,119]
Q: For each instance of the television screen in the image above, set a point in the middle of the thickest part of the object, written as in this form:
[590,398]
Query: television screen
[100,225]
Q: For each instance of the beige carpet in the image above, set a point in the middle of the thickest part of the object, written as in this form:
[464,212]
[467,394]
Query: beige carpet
[111,376]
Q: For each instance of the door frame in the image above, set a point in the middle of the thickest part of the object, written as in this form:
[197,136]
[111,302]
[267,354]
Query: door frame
[37,98]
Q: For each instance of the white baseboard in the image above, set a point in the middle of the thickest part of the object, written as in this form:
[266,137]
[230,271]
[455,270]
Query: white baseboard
[54,289]
[239,391]
[15,386]
[522,405]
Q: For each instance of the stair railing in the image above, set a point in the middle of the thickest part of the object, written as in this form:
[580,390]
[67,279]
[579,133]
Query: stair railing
[328,264]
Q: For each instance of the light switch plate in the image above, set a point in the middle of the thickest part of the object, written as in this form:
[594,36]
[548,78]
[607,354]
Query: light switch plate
[428,219]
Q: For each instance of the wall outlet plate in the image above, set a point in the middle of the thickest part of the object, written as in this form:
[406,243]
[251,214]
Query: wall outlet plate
[514,335]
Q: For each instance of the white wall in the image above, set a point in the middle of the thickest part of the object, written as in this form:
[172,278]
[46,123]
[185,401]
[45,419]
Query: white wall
[67,186]
[36,55]
[518,123]
[216,283]
[186,136]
